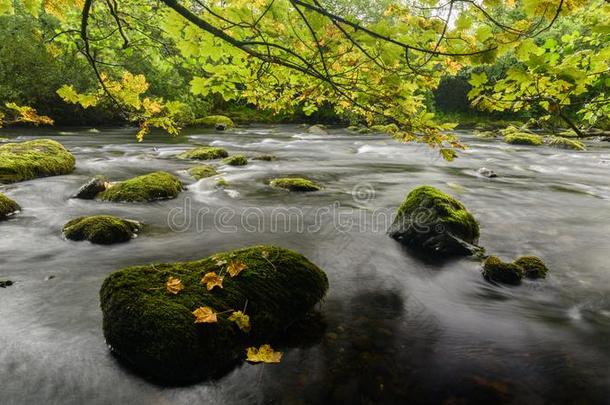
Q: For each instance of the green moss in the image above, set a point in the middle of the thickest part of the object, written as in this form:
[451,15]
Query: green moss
[212,120]
[523,138]
[507,273]
[434,222]
[202,171]
[265,158]
[532,266]
[295,184]
[33,159]
[204,153]
[7,207]
[155,332]
[150,187]
[101,229]
[387,129]
[565,143]
[222,183]
[236,160]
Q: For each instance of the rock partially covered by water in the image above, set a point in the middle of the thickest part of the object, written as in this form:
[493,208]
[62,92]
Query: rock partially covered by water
[565,143]
[220,122]
[149,323]
[8,207]
[317,130]
[5,283]
[295,184]
[204,153]
[533,267]
[101,229]
[496,270]
[236,160]
[523,138]
[92,188]
[485,172]
[149,187]
[265,158]
[435,223]
[202,171]
[33,159]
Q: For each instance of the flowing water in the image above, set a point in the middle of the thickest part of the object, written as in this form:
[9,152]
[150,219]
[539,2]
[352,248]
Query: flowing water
[398,328]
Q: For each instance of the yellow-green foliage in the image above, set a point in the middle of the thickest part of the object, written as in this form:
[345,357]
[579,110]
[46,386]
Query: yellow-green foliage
[388,129]
[204,153]
[523,138]
[212,120]
[565,143]
[33,159]
[150,187]
[295,184]
[101,229]
[236,160]
[202,171]
[7,206]
[154,331]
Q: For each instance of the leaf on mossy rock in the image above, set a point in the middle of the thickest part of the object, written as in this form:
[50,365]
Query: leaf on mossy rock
[242,320]
[174,285]
[205,315]
[264,354]
[212,280]
[236,267]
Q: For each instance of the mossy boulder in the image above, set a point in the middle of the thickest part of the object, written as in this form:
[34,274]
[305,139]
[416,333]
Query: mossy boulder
[92,188]
[265,158]
[236,160]
[101,229]
[435,223]
[533,267]
[212,121]
[496,270]
[202,171]
[298,184]
[7,207]
[154,331]
[565,143]
[33,159]
[149,187]
[523,138]
[204,153]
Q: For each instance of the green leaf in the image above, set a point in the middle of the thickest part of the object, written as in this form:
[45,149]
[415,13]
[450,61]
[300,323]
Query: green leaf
[478,79]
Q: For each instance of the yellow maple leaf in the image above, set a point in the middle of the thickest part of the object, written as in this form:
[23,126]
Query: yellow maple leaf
[264,354]
[236,267]
[205,315]
[212,280]
[174,285]
[242,320]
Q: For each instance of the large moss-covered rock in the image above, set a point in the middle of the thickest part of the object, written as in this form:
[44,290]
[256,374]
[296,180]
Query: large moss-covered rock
[202,171]
[213,121]
[101,229]
[236,160]
[532,266]
[33,159]
[434,222]
[149,187]
[565,143]
[496,270]
[153,330]
[7,207]
[204,153]
[523,138]
[298,184]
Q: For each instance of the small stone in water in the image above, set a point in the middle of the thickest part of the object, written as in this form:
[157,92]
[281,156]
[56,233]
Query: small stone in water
[485,172]
[5,283]
[220,126]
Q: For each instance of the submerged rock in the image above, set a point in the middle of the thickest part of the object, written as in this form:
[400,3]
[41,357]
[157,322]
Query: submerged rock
[5,283]
[8,207]
[92,188]
[153,329]
[101,229]
[202,171]
[204,153]
[434,222]
[220,122]
[565,143]
[533,267]
[236,160]
[149,187]
[485,172]
[33,159]
[295,184]
[317,130]
[523,138]
[265,158]
[496,270]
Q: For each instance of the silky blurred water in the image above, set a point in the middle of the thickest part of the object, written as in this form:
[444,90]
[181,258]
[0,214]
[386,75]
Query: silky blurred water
[399,329]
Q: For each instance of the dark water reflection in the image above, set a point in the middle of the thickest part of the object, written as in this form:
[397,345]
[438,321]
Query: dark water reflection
[395,328]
